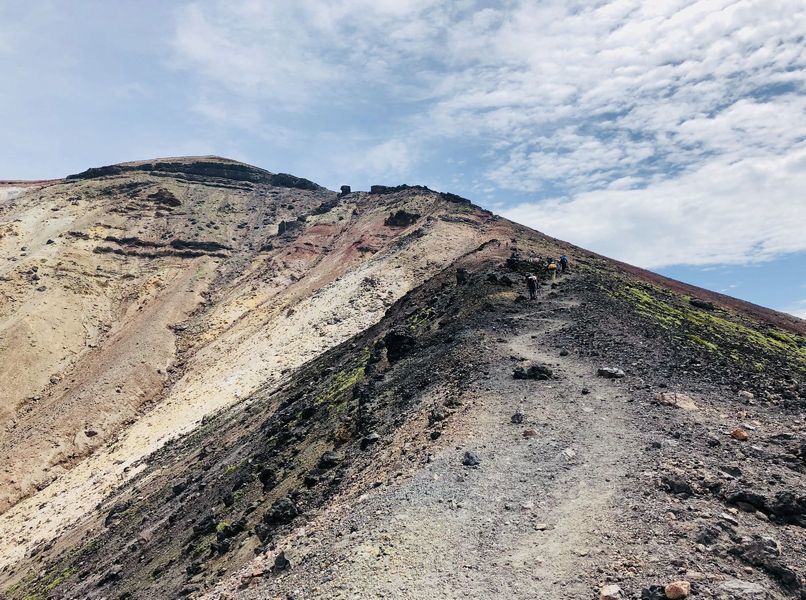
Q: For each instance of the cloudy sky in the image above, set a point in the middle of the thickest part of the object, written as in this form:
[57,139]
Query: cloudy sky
[669,134]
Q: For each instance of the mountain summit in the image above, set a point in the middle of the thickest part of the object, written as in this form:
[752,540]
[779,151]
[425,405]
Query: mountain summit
[223,382]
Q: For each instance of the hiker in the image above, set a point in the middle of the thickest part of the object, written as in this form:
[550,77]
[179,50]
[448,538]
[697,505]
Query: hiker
[563,264]
[531,283]
[552,269]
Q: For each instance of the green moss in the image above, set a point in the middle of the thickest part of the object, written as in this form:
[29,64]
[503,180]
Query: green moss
[342,382]
[230,469]
[722,332]
[704,343]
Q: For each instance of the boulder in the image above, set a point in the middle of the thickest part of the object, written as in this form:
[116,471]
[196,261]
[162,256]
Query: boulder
[677,590]
[401,218]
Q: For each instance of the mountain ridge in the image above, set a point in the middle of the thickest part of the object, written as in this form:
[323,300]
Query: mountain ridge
[207,371]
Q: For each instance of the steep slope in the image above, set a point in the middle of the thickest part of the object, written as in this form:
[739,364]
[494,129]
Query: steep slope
[310,394]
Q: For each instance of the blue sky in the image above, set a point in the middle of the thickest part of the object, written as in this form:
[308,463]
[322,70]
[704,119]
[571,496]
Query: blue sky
[669,134]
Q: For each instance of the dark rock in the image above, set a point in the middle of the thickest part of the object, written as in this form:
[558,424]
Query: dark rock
[281,563]
[697,303]
[401,219]
[281,512]
[517,418]
[113,574]
[345,189]
[369,439]
[288,226]
[398,345]
[564,352]
[787,504]
[207,525]
[434,435]
[471,459]
[164,197]
[676,484]
[267,477]
[539,372]
[708,535]
[331,459]
[653,592]
[765,552]
[461,276]
[610,373]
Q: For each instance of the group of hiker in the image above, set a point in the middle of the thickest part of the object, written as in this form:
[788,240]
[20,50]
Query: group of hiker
[552,268]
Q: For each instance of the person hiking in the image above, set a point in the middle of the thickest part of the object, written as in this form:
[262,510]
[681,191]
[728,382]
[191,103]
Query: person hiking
[552,269]
[531,283]
[563,264]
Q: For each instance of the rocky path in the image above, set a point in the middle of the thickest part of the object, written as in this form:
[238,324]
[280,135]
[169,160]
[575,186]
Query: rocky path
[529,519]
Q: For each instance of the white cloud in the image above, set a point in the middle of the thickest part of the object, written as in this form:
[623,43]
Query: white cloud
[721,212]
[657,132]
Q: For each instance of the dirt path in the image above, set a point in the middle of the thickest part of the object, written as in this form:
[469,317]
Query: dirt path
[527,521]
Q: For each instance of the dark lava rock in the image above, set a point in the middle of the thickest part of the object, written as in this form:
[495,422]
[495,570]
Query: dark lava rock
[707,535]
[206,525]
[471,459]
[434,435]
[539,372]
[288,226]
[331,459]
[164,197]
[281,563]
[401,219]
[268,478]
[789,506]
[517,418]
[398,345]
[281,512]
[676,484]
[113,574]
[369,439]
[653,592]
[610,373]
[461,276]
[697,303]
[765,552]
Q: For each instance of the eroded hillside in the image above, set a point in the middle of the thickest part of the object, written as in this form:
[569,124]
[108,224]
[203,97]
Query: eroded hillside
[229,383]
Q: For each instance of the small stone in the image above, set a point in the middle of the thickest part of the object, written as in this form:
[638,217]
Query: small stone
[611,592]
[677,401]
[529,433]
[744,394]
[610,373]
[541,526]
[739,434]
[585,391]
[471,459]
[678,589]
[281,563]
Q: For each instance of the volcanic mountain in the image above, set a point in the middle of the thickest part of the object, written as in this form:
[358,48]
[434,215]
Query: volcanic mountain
[221,382]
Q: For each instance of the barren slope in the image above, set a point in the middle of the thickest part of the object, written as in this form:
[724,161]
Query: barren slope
[202,392]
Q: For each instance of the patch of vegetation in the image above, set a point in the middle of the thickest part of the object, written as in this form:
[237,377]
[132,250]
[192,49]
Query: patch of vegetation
[342,382]
[717,332]
[222,526]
